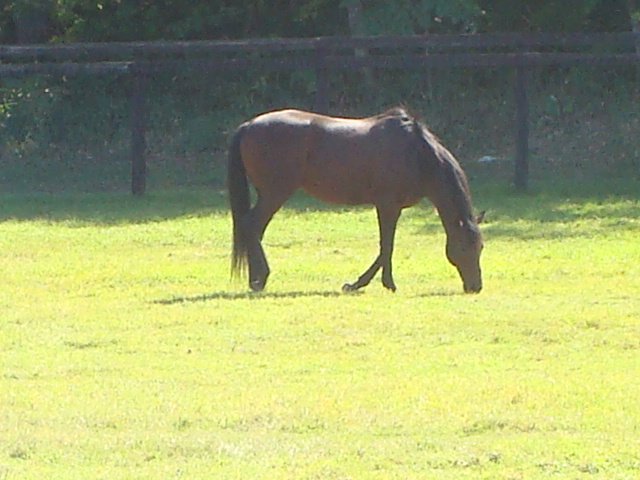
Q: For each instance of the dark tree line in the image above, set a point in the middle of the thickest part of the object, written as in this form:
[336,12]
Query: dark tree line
[41,21]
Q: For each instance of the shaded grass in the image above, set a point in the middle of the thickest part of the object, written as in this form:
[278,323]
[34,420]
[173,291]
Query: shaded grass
[127,353]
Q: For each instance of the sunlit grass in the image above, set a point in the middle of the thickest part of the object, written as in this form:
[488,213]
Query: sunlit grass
[127,352]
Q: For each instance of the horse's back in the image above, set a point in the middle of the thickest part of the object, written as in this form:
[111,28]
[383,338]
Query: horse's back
[291,119]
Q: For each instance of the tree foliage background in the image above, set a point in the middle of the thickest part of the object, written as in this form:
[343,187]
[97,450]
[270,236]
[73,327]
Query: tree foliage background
[110,20]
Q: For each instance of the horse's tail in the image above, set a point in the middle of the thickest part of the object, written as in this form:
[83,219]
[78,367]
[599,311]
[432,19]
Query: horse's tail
[239,198]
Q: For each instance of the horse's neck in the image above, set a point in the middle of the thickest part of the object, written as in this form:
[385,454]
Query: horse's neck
[449,217]
[452,204]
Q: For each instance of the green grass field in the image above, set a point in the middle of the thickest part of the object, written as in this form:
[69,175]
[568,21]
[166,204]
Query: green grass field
[127,353]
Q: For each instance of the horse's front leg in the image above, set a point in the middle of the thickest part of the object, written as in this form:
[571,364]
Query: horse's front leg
[387,221]
[365,278]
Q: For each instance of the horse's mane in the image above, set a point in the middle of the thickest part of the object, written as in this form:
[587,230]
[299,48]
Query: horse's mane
[395,112]
[400,113]
[437,159]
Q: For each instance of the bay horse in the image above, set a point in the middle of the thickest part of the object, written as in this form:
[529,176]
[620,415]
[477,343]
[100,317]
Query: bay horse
[390,161]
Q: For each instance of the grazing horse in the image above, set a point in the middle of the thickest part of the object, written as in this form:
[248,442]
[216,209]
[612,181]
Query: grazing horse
[389,160]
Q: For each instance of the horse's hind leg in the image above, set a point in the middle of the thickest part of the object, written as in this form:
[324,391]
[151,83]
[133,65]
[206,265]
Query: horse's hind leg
[256,224]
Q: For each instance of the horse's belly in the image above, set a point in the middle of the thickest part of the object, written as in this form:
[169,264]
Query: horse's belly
[357,186]
[337,192]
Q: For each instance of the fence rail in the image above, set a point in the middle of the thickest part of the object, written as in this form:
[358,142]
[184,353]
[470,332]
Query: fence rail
[139,50]
[322,55]
[408,61]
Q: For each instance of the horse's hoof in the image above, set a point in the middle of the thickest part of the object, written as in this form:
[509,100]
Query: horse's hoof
[256,285]
[349,288]
[389,285]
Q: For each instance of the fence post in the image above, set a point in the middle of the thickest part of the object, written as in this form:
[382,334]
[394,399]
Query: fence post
[321,102]
[138,131]
[521,167]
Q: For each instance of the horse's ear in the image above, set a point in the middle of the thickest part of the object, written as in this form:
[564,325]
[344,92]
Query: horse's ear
[480,217]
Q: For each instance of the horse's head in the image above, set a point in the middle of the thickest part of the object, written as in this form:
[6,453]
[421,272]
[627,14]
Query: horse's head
[464,246]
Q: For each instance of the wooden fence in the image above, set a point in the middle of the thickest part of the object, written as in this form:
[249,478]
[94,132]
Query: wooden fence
[140,60]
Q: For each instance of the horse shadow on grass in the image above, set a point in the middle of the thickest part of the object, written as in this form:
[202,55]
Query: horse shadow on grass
[440,293]
[254,296]
[257,296]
